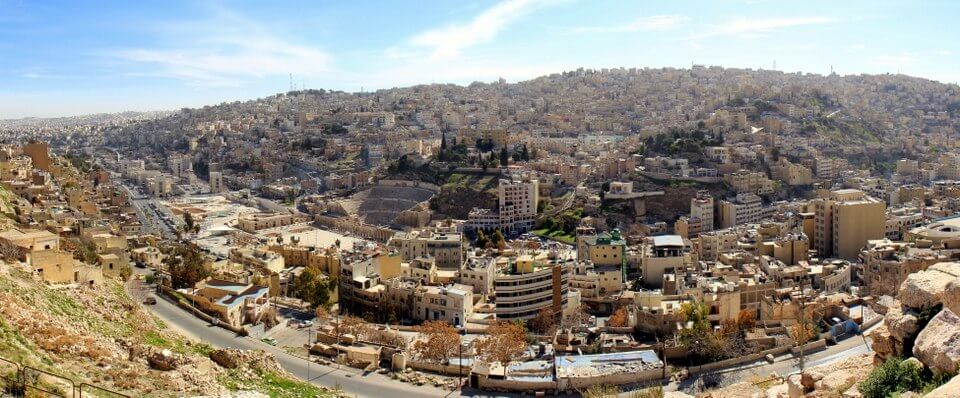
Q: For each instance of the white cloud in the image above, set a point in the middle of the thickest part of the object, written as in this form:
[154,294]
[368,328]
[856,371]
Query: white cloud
[225,49]
[450,40]
[645,24]
[747,28]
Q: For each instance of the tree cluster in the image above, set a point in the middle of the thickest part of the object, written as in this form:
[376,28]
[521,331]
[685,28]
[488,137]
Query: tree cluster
[186,265]
[313,287]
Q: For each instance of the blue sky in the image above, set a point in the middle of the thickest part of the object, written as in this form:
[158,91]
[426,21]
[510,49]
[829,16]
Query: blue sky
[66,58]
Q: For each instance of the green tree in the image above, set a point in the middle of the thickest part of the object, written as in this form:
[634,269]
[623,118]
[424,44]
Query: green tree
[504,157]
[313,287]
[482,240]
[498,240]
[186,265]
[697,335]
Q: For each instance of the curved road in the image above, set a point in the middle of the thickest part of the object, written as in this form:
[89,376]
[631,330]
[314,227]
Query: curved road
[351,381]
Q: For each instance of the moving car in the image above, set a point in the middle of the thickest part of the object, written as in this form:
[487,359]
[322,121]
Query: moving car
[269,340]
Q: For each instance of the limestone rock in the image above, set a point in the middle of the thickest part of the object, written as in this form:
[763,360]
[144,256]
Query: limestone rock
[938,345]
[162,360]
[949,390]
[883,344]
[925,289]
[809,379]
[842,374]
[902,323]
[225,358]
[676,394]
[951,296]
[794,387]
[736,390]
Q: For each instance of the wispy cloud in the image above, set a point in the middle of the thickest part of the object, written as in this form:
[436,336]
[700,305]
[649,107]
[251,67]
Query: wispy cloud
[224,49]
[754,27]
[642,24]
[450,40]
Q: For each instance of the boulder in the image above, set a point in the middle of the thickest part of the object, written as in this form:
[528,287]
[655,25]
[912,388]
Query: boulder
[809,379]
[949,390]
[225,358]
[794,387]
[951,296]
[883,344]
[902,322]
[676,394]
[938,344]
[162,360]
[925,289]
[913,361]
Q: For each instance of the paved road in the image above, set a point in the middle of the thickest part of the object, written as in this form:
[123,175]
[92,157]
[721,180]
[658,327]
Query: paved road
[784,365]
[351,381]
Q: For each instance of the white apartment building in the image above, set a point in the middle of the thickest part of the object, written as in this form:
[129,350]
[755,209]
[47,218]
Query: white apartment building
[701,207]
[746,208]
[518,201]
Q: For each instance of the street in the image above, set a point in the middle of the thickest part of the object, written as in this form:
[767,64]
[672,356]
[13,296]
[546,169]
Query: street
[351,381]
[784,365]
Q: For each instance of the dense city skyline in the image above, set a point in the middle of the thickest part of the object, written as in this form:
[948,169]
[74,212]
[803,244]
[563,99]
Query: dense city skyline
[63,59]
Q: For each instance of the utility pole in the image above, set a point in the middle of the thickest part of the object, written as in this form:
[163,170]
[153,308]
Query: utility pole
[309,346]
[802,335]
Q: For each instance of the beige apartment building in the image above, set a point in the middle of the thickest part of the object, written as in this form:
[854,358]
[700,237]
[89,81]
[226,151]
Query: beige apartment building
[662,255]
[531,285]
[845,220]
[745,181]
[257,221]
[446,248]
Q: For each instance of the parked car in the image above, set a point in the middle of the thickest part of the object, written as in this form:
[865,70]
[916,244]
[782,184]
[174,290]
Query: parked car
[306,324]
[150,301]
[269,340]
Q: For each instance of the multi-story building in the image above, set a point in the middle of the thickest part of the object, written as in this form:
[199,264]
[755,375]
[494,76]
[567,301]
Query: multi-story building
[517,212]
[446,248]
[662,255]
[216,182]
[701,207]
[254,222]
[746,208]
[887,264]
[604,250]
[845,220]
[530,285]
[745,181]
[451,304]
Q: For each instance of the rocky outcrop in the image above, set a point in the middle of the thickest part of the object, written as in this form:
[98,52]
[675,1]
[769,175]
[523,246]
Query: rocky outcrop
[949,390]
[938,345]
[902,323]
[883,344]
[925,289]
[951,296]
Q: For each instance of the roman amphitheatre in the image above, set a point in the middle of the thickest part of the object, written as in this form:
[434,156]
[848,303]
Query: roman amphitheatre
[387,202]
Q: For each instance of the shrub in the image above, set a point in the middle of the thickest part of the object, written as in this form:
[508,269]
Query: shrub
[894,376]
